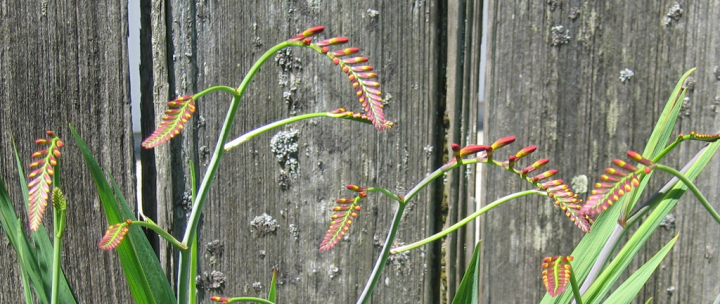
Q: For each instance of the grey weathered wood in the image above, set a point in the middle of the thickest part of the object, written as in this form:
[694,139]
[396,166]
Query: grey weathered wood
[210,43]
[66,62]
[569,101]
[464,21]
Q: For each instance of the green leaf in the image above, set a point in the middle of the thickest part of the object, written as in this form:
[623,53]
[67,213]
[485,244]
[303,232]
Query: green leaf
[36,261]
[273,287]
[23,271]
[146,280]
[612,272]
[469,286]
[658,139]
[192,296]
[630,288]
[587,251]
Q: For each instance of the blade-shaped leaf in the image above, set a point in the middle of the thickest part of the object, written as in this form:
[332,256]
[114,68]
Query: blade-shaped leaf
[22,259]
[146,280]
[37,259]
[468,291]
[587,251]
[659,138]
[10,225]
[630,288]
[612,272]
[273,287]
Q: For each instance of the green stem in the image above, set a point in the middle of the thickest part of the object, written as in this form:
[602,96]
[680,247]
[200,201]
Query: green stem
[193,221]
[21,257]
[192,297]
[161,232]
[465,220]
[59,227]
[249,135]
[575,289]
[384,255]
[692,188]
[226,89]
[386,192]
[249,299]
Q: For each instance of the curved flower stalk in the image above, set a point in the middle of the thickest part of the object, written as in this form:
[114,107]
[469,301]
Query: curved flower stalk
[618,181]
[41,178]
[181,111]
[115,234]
[556,189]
[361,75]
[338,113]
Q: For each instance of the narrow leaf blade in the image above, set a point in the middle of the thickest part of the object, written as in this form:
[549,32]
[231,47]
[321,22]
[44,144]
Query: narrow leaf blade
[127,252]
[273,287]
[630,288]
[468,291]
[612,272]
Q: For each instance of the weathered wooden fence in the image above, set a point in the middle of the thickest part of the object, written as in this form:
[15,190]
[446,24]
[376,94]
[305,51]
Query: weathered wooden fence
[66,62]
[198,45]
[557,87]
[554,71]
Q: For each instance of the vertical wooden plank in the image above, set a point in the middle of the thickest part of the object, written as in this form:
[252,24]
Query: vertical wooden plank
[211,43]
[464,21]
[66,62]
[561,89]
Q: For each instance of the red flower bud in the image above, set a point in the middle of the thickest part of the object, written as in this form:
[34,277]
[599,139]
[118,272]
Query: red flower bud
[639,158]
[332,41]
[544,175]
[309,32]
[502,142]
[455,147]
[472,149]
[345,52]
[525,152]
[355,188]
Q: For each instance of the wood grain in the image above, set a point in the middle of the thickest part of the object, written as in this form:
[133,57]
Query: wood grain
[215,43]
[568,100]
[66,62]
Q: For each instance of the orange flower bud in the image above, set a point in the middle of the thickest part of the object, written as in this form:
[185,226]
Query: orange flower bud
[503,142]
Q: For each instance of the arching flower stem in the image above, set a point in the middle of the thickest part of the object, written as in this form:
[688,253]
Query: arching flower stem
[194,219]
[466,220]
